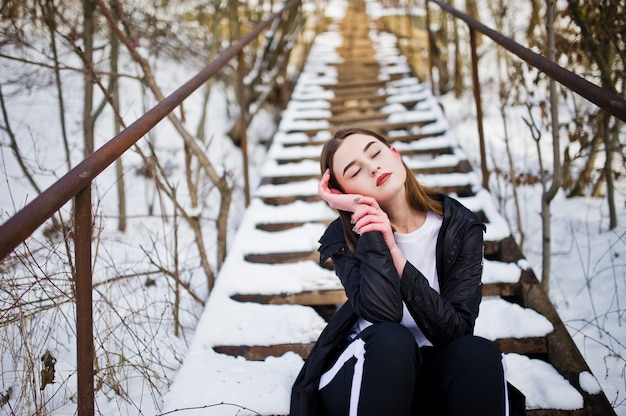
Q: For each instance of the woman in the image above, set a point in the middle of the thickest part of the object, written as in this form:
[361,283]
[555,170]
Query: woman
[410,261]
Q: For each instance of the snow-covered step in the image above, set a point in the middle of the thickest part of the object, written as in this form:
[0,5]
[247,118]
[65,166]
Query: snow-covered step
[294,152]
[272,279]
[483,202]
[495,272]
[499,319]
[298,239]
[306,169]
[295,212]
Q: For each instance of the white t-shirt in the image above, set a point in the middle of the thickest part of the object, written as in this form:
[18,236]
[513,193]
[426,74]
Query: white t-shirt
[419,247]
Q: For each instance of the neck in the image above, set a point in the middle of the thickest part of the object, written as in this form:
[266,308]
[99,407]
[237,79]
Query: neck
[404,218]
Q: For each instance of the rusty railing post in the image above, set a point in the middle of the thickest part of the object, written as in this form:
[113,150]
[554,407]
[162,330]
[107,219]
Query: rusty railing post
[479,109]
[84,308]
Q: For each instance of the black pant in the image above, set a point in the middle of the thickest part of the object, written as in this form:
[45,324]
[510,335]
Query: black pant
[398,378]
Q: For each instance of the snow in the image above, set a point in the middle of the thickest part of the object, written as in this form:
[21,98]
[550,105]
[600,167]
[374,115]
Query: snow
[544,387]
[298,188]
[587,280]
[501,319]
[269,378]
[589,383]
[496,271]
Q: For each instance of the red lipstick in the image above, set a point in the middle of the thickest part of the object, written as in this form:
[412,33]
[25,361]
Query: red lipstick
[383,178]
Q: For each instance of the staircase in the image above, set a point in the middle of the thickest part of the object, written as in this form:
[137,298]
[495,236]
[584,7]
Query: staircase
[272,298]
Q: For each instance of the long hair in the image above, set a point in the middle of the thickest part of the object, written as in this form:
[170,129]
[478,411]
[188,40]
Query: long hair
[418,196]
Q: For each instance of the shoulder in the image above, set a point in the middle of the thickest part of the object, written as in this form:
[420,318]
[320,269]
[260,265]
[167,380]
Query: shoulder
[333,233]
[455,212]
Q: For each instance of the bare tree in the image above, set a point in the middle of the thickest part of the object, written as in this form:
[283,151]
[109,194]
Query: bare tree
[49,17]
[114,90]
[509,74]
[549,193]
[600,55]
[89,119]
[458,70]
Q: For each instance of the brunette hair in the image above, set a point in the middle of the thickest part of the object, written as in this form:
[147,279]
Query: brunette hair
[418,196]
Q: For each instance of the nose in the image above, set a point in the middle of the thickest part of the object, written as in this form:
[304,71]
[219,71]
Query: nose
[374,169]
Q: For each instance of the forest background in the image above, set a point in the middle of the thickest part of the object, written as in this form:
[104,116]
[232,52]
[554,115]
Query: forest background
[75,73]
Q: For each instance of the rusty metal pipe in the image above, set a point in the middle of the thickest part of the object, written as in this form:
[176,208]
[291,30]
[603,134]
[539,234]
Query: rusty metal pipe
[21,225]
[601,97]
[84,303]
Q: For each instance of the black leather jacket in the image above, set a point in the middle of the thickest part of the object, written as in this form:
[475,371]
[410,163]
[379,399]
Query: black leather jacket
[375,292]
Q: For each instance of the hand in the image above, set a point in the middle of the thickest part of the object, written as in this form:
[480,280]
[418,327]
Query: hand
[368,216]
[336,199]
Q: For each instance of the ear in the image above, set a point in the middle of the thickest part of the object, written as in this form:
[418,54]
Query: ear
[395,152]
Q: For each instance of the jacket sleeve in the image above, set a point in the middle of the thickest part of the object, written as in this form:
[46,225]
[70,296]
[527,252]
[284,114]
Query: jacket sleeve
[368,276]
[451,313]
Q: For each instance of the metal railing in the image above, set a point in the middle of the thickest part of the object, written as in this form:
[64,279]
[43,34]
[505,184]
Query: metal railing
[77,184]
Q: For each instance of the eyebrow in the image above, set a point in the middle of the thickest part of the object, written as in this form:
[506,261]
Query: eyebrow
[367,146]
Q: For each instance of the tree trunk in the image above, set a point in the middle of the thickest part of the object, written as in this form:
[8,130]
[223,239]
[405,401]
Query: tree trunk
[114,90]
[222,224]
[48,11]
[557,178]
[535,18]
[88,116]
[431,50]
[602,52]
[608,168]
[584,178]
[458,59]
[472,10]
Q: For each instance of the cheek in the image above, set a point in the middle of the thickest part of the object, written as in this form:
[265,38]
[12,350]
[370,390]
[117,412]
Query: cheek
[354,186]
[402,173]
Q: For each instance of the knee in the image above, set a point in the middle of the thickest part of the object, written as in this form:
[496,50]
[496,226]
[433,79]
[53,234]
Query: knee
[389,338]
[472,349]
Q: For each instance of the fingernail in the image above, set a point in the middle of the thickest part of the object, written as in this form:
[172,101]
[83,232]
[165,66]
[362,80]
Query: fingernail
[351,220]
[357,199]
[355,230]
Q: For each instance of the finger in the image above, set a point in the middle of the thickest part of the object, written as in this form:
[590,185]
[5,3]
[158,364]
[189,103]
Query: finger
[371,226]
[370,219]
[369,201]
[322,188]
[325,179]
[363,210]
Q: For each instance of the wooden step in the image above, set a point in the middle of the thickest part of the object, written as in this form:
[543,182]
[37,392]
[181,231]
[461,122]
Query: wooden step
[463,167]
[433,151]
[460,190]
[337,296]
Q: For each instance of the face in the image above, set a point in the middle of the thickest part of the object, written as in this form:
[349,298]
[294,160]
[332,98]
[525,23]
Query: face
[364,165]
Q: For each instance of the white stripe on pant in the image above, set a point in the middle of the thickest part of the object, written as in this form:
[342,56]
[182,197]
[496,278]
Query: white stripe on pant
[356,350]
